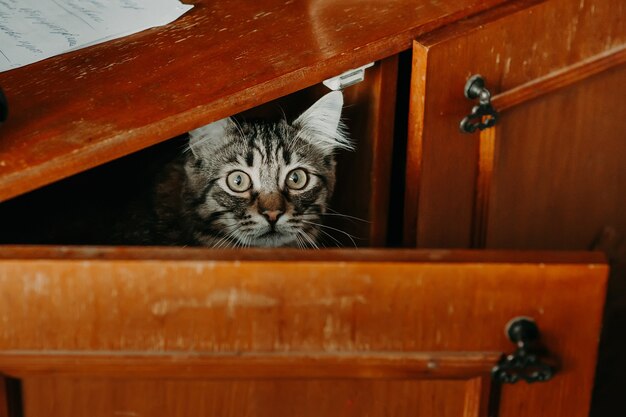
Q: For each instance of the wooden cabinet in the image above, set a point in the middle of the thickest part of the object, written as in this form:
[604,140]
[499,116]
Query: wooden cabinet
[550,175]
[117,331]
[196,332]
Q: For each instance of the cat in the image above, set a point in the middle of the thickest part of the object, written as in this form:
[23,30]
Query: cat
[249,184]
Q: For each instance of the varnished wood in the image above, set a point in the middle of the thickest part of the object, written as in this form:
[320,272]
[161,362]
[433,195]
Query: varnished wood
[337,398]
[559,230]
[348,365]
[259,313]
[76,111]
[415,144]
[551,174]
[486,151]
[557,187]
[477,397]
[95,254]
[146,331]
[382,119]
[362,188]
[561,78]
[440,216]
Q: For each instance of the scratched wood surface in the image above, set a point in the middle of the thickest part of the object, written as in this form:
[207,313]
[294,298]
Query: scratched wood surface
[76,111]
[443,164]
[558,188]
[400,320]
[100,398]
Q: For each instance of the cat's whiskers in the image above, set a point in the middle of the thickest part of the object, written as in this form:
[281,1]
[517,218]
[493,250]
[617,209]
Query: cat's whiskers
[337,242]
[306,236]
[345,216]
[333,228]
[238,127]
[300,242]
[263,153]
[247,241]
[222,242]
[228,238]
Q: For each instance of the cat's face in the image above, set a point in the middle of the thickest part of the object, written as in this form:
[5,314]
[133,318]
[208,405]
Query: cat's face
[264,184]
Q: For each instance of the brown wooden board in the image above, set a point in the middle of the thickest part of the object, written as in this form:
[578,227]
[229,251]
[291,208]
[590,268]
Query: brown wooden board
[81,109]
[454,180]
[138,330]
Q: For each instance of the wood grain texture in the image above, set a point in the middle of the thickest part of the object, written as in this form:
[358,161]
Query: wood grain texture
[605,102]
[363,176]
[382,117]
[484,177]
[272,310]
[477,394]
[499,47]
[339,398]
[560,185]
[560,79]
[352,365]
[106,253]
[81,109]
[271,306]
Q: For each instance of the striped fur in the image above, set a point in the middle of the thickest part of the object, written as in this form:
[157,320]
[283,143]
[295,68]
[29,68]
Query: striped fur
[197,207]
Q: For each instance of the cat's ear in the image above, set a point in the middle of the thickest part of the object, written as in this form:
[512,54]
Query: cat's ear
[321,124]
[206,139]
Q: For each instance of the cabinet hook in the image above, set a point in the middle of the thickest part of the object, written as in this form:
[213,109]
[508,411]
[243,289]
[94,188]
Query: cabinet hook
[526,362]
[483,115]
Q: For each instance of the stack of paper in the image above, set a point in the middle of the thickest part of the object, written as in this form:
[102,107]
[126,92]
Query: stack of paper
[32,30]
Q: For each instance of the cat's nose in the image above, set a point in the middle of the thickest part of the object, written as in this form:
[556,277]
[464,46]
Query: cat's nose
[272,215]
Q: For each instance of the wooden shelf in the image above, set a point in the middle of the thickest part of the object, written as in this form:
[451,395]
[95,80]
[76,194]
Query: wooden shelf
[78,110]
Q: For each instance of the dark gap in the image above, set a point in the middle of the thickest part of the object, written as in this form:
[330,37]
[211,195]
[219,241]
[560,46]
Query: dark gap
[14,397]
[82,208]
[398,163]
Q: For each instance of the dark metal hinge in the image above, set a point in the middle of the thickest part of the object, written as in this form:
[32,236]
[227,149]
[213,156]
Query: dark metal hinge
[530,361]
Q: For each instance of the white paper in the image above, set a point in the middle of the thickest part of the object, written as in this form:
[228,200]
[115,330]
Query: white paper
[33,30]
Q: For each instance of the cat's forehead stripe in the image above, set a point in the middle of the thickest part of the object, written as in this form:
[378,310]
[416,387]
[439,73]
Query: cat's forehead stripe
[249,158]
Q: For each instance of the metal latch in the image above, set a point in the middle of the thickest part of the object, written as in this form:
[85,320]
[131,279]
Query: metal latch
[347,78]
[483,115]
[530,361]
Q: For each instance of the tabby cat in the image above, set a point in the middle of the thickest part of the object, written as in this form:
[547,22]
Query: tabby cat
[261,184]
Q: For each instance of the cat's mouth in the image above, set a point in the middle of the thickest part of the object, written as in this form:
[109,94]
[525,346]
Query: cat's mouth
[272,237]
[270,233]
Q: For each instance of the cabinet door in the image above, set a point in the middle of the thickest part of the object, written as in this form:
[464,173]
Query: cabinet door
[551,174]
[180,332]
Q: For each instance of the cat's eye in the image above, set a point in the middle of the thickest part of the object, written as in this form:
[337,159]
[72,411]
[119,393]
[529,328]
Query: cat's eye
[238,181]
[297,179]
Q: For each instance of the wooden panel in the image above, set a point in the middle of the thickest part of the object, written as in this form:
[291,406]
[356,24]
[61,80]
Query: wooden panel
[309,306]
[382,324]
[564,77]
[73,112]
[557,184]
[285,365]
[376,150]
[442,163]
[99,398]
